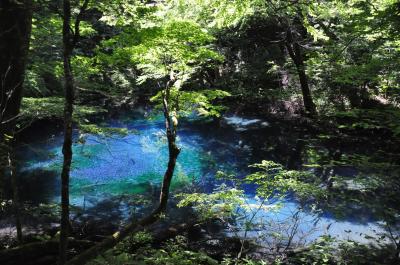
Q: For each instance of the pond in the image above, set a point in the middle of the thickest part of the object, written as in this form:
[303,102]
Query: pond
[116,165]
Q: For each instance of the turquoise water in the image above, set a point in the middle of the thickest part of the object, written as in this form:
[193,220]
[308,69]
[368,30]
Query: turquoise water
[115,165]
[118,165]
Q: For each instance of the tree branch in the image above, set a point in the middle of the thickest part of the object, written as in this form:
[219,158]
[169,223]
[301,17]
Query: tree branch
[78,21]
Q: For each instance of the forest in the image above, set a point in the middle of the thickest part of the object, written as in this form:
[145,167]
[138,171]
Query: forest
[199,132]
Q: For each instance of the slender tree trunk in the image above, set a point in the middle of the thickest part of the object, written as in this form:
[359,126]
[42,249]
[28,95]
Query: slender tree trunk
[16,203]
[70,40]
[67,146]
[294,51]
[173,152]
[301,69]
[296,55]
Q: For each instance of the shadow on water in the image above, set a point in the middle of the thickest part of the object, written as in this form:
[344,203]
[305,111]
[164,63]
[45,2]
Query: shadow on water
[37,186]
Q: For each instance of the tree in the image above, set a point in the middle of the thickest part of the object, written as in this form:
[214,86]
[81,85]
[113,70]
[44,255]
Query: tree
[294,36]
[15,30]
[358,56]
[288,17]
[70,39]
[294,49]
[167,54]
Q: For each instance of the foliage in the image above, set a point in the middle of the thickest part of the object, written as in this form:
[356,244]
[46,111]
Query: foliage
[210,13]
[44,71]
[370,119]
[222,203]
[121,13]
[320,252]
[245,261]
[201,102]
[359,49]
[328,250]
[351,47]
[134,241]
[174,46]
[273,179]
[101,131]
[173,252]
[176,255]
[175,50]
[52,108]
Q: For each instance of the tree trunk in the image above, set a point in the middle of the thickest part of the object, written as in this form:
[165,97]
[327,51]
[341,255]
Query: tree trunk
[173,152]
[15,31]
[296,55]
[16,203]
[70,40]
[67,146]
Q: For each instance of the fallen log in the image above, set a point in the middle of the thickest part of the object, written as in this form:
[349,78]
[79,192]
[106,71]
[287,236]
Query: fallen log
[46,252]
[114,239]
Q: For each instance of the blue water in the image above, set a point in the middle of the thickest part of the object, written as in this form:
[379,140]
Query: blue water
[124,164]
[116,165]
